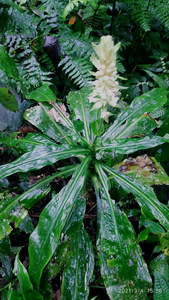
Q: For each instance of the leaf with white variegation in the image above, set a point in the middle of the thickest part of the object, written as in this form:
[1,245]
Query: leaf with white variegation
[126,146]
[151,207]
[122,265]
[79,267]
[145,103]
[12,210]
[79,102]
[41,157]
[38,117]
[44,239]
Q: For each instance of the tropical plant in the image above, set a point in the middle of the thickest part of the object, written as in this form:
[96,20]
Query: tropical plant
[80,132]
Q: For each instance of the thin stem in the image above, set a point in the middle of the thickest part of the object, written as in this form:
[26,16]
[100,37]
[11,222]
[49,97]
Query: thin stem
[112,16]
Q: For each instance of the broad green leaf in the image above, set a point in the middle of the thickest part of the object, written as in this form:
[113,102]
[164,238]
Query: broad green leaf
[79,267]
[154,226]
[43,121]
[143,104]
[12,209]
[96,122]
[8,100]
[143,235]
[126,146]
[39,158]
[160,265]
[145,169]
[161,287]
[24,282]
[151,207]
[122,266]
[44,239]
[11,295]
[80,104]
[42,94]
[7,64]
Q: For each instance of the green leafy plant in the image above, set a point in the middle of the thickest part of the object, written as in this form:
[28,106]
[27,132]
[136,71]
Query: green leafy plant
[81,132]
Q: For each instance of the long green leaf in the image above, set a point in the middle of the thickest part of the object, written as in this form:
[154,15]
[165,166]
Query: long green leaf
[39,158]
[44,239]
[80,104]
[142,104]
[142,126]
[126,146]
[12,209]
[122,266]
[27,143]
[78,267]
[151,207]
[24,282]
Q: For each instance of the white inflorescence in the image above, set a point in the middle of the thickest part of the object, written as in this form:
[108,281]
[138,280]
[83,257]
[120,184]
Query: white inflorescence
[106,87]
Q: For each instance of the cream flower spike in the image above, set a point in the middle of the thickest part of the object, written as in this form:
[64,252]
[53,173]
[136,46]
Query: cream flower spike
[106,87]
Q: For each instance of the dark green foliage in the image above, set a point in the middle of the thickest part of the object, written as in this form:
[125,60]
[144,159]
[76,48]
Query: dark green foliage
[65,152]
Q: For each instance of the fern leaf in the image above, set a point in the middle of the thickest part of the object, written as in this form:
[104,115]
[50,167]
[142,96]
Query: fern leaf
[77,70]
[71,6]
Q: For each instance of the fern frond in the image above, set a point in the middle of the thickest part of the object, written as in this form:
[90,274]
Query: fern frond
[77,70]
[51,6]
[71,6]
[17,21]
[160,10]
[147,14]
[140,13]
[50,21]
[32,74]
[75,44]
[45,61]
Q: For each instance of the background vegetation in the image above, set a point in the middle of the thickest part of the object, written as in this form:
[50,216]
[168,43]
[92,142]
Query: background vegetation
[45,50]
